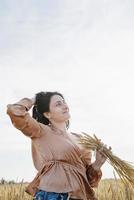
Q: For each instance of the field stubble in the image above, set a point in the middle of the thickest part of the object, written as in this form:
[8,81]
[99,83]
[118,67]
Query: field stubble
[107,190]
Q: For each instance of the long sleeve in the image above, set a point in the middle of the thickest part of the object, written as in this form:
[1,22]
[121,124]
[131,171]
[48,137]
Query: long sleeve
[22,120]
[93,176]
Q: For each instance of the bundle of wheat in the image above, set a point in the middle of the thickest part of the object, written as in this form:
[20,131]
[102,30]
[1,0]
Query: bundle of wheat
[124,169]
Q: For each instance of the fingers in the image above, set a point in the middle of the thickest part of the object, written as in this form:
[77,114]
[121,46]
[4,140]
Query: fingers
[105,147]
[101,152]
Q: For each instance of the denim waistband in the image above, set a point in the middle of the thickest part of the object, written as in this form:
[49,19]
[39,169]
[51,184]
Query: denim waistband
[43,195]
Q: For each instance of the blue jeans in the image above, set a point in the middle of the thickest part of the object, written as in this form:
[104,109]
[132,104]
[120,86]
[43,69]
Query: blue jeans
[43,195]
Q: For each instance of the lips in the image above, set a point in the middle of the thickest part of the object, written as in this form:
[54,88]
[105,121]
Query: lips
[65,112]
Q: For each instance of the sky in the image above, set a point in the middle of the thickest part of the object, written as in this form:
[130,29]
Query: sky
[83,49]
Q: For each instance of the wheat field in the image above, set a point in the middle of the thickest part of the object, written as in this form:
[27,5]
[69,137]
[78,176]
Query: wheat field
[108,190]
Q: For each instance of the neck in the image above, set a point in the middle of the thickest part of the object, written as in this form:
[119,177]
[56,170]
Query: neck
[59,126]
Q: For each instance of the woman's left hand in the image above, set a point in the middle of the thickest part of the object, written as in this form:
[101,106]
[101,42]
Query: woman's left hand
[100,158]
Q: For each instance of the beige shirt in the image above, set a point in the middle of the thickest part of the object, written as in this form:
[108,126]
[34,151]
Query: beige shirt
[66,162]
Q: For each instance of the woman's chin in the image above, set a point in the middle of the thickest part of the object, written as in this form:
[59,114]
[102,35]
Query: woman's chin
[66,118]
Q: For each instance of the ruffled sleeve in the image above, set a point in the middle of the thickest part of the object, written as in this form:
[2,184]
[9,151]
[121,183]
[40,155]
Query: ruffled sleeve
[92,175]
[22,120]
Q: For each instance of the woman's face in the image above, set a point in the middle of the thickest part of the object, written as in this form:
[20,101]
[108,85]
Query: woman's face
[58,109]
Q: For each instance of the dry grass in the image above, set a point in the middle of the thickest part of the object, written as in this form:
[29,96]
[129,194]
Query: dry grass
[13,192]
[124,169]
[114,190]
[107,190]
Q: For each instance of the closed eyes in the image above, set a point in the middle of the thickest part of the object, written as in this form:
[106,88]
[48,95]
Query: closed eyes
[59,103]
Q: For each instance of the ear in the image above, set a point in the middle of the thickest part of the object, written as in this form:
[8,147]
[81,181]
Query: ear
[47,115]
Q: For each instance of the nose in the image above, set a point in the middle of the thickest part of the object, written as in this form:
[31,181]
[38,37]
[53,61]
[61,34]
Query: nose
[65,106]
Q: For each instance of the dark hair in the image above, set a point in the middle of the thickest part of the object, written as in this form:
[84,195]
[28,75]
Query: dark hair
[42,102]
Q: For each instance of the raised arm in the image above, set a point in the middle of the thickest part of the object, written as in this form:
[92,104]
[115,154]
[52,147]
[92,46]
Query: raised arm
[22,120]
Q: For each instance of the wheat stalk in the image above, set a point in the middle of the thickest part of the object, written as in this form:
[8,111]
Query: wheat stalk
[124,169]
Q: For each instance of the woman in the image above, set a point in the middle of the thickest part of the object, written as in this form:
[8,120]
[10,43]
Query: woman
[64,169]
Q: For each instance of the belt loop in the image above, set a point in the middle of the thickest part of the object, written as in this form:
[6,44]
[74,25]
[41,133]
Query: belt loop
[61,197]
[68,196]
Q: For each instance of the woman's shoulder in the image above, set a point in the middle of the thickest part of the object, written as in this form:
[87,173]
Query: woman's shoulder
[75,138]
[44,128]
